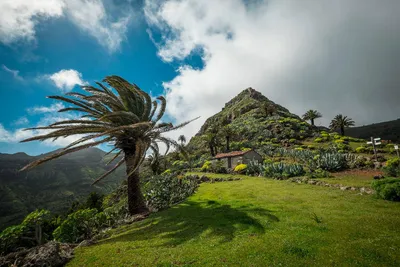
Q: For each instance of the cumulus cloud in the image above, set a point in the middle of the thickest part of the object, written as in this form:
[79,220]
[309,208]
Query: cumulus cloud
[66,80]
[16,135]
[334,56]
[21,121]
[14,73]
[46,109]
[19,19]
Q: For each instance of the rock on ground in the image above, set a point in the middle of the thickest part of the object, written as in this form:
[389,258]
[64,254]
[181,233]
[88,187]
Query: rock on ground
[48,255]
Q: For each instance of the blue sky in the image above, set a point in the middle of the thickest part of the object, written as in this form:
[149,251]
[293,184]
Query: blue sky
[60,45]
[334,56]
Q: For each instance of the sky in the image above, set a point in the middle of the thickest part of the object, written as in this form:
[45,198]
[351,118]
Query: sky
[338,56]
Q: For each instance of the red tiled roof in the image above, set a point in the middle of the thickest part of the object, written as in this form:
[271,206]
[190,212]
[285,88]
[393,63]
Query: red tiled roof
[231,154]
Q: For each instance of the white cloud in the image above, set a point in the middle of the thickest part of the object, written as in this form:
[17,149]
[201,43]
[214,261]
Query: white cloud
[334,56]
[16,135]
[91,17]
[21,121]
[14,73]
[46,109]
[66,79]
[19,18]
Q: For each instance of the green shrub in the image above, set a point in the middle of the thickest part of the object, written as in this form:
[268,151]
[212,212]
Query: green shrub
[311,147]
[78,226]
[318,140]
[166,172]
[241,168]
[360,149]
[392,167]
[206,166]
[339,141]
[218,167]
[292,140]
[388,188]
[178,165]
[11,238]
[163,191]
[319,173]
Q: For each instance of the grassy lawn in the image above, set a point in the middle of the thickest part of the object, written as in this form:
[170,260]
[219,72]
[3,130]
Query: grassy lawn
[258,222]
[356,178]
[216,175]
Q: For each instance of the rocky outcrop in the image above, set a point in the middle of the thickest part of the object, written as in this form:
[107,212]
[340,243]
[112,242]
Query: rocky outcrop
[51,254]
[304,180]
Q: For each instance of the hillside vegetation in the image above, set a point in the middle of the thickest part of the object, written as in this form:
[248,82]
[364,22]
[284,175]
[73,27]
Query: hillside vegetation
[53,186]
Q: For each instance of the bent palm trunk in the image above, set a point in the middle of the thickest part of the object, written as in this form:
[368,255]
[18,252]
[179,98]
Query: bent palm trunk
[136,203]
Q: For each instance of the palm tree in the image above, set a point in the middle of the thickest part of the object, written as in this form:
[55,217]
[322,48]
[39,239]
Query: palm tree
[211,139]
[127,119]
[227,132]
[341,122]
[182,139]
[311,115]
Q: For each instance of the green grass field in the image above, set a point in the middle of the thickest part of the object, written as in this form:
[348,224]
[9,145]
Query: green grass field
[258,222]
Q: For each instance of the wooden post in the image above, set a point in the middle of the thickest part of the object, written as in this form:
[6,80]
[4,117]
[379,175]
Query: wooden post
[374,148]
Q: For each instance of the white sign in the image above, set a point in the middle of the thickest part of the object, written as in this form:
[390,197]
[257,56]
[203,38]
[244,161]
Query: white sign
[378,143]
[396,147]
[369,143]
[377,139]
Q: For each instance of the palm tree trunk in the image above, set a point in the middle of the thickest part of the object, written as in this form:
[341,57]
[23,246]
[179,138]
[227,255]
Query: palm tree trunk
[136,203]
[342,130]
[312,122]
[211,149]
[227,143]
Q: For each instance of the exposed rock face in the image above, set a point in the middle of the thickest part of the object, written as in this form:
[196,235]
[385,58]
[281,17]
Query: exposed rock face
[51,254]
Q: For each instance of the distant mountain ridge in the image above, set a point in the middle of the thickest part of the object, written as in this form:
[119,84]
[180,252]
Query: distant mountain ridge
[53,185]
[388,130]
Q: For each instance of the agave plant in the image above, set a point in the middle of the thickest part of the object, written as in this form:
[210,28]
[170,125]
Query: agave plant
[128,119]
[281,169]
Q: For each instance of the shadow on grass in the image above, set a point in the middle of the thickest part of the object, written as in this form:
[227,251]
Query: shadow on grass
[190,220]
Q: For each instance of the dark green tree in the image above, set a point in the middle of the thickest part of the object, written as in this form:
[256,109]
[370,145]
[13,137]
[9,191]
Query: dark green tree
[311,115]
[227,132]
[341,122]
[124,116]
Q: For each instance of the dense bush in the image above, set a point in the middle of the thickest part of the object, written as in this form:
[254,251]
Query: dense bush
[163,191]
[388,188]
[78,226]
[218,167]
[178,165]
[34,230]
[11,238]
[392,167]
[206,166]
[360,149]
